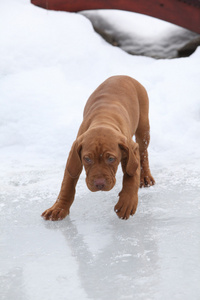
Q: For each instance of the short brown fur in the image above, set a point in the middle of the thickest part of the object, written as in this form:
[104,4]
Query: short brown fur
[116,110]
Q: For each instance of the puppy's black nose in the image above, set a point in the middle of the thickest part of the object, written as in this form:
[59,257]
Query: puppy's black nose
[99,183]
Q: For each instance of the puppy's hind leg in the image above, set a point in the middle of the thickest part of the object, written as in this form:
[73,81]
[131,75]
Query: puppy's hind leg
[143,139]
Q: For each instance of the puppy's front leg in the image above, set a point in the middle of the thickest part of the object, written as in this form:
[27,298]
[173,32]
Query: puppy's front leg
[61,207]
[128,197]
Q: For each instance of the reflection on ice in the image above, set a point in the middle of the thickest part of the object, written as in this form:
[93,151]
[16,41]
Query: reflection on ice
[94,255]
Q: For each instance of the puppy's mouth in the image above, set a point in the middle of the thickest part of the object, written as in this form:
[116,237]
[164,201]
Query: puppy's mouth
[100,184]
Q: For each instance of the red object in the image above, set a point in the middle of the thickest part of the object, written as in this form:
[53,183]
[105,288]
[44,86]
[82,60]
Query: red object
[185,13]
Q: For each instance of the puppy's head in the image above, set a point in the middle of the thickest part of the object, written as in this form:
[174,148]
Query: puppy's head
[100,150]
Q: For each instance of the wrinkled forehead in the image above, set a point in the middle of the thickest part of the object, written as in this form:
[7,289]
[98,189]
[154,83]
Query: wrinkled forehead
[100,145]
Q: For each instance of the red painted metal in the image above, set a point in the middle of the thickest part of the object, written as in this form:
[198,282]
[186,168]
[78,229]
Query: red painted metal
[185,13]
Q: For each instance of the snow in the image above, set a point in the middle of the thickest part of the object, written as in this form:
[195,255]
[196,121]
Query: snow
[50,63]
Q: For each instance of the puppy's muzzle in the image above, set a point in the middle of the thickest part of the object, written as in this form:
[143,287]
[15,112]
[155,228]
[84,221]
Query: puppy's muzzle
[99,183]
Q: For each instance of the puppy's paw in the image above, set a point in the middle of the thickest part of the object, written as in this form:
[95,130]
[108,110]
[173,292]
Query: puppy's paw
[55,213]
[126,206]
[146,179]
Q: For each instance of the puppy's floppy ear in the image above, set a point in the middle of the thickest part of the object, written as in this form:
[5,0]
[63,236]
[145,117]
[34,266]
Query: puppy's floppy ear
[132,159]
[74,163]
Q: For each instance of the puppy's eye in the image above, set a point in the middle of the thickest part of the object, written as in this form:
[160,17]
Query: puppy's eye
[87,159]
[111,159]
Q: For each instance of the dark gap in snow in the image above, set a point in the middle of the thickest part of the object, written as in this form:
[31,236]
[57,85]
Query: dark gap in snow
[152,38]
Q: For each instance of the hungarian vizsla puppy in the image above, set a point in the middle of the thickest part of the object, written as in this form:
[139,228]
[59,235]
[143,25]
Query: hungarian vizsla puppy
[117,110]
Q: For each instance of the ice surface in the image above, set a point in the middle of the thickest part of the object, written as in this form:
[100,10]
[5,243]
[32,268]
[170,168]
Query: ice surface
[50,63]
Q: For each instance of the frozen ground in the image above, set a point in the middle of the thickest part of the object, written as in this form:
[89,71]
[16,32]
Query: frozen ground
[50,63]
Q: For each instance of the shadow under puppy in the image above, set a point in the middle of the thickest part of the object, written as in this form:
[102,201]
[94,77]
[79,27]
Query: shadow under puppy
[116,110]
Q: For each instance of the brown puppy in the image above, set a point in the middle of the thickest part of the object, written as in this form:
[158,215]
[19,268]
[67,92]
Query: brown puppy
[117,110]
